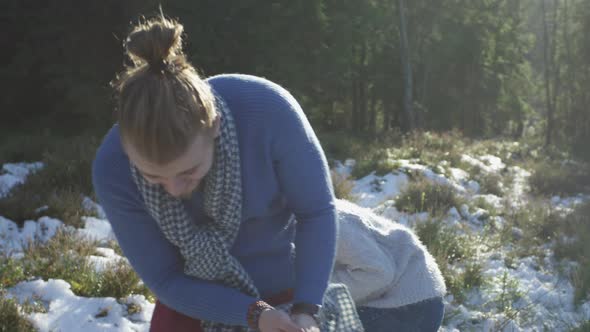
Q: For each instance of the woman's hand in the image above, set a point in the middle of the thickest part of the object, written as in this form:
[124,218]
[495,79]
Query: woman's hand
[273,320]
[307,322]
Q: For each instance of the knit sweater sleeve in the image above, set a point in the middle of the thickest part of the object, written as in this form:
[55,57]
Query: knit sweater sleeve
[304,179]
[152,256]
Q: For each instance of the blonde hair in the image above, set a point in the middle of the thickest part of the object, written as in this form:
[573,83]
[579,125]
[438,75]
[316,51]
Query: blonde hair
[163,104]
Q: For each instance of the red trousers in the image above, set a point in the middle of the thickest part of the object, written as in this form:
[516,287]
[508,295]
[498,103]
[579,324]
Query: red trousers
[165,319]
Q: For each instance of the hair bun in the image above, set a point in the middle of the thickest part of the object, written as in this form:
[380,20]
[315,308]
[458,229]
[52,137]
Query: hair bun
[155,42]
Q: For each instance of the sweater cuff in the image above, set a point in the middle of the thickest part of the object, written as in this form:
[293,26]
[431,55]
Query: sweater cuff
[310,292]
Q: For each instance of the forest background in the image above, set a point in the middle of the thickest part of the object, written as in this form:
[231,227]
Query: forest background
[364,69]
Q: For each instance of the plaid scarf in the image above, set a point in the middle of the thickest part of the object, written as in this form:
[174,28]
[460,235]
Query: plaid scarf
[205,247]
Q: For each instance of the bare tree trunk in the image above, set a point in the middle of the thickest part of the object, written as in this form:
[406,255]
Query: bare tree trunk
[354,90]
[556,66]
[406,66]
[571,70]
[387,111]
[548,64]
[425,81]
[520,119]
[373,112]
[355,104]
[363,82]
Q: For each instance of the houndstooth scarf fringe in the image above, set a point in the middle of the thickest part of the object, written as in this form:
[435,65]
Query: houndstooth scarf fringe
[205,247]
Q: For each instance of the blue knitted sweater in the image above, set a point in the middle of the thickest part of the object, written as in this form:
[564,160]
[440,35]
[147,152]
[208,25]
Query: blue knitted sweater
[287,237]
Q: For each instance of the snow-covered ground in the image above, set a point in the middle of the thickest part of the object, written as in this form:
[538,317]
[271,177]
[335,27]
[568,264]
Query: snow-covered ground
[544,297]
[63,310]
[13,174]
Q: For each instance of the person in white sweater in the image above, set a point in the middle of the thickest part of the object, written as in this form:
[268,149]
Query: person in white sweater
[394,281]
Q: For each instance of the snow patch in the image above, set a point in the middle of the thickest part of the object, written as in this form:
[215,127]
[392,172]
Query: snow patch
[97,229]
[15,174]
[68,312]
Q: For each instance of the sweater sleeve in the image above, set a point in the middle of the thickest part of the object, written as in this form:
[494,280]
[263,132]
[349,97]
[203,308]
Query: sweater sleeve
[304,179]
[152,256]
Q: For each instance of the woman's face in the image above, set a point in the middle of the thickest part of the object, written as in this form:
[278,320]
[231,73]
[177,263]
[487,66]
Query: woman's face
[182,176]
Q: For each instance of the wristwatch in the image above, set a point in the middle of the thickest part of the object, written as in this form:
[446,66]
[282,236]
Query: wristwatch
[306,308]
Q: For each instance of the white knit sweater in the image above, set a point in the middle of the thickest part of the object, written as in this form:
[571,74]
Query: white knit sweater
[382,262]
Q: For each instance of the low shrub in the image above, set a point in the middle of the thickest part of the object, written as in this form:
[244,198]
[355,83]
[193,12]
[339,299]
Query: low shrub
[60,185]
[342,186]
[574,244]
[449,248]
[559,179]
[422,195]
[11,317]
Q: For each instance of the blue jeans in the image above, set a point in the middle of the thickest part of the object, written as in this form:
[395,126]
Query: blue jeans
[424,316]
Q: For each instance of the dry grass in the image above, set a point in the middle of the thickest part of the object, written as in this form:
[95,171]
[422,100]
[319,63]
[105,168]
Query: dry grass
[422,195]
